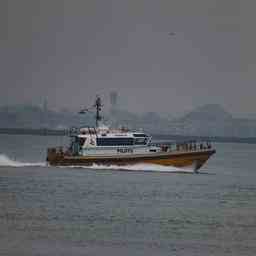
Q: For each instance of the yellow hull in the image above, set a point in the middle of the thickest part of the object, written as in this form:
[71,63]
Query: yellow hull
[181,159]
[184,160]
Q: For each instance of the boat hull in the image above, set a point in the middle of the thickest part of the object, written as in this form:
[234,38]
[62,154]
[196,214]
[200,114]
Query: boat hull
[180,159]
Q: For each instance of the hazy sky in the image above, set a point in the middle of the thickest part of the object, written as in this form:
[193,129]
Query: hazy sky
[69,50]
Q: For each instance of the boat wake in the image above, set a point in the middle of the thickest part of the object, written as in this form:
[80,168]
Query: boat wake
[6,161]
[137,167]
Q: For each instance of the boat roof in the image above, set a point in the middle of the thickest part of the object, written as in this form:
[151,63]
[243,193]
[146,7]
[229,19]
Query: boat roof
[114,135]
[109,133]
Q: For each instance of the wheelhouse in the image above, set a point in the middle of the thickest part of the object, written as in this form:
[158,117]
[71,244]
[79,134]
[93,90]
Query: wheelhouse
[83,140]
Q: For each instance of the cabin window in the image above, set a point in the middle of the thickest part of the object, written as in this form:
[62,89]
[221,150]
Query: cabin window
[140,141]
[139,135]
[115,141]
[81,141]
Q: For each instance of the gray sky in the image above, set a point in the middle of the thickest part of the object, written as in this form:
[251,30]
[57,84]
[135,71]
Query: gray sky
[69,50]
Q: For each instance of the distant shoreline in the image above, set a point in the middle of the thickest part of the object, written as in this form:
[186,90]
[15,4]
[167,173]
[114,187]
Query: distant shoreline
[27,131]
[248,140]
[52,132]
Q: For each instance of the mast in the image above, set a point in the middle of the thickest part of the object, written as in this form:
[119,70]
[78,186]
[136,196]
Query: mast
[98,106]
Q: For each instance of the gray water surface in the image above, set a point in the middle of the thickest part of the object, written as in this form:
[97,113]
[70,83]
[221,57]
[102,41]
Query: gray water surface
[79,211]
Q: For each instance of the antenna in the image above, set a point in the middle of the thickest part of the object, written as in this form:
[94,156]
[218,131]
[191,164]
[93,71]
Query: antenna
[96,105]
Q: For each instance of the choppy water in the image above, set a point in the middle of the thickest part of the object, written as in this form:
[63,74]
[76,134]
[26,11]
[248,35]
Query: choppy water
[102,211]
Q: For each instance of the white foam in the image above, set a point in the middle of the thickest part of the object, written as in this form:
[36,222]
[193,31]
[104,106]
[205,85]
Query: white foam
[137,167]
[6,161]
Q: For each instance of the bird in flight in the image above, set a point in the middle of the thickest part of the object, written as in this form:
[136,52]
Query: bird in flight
[171,33]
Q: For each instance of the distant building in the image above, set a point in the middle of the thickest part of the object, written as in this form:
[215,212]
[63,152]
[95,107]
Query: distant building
[113,100]
[45,106]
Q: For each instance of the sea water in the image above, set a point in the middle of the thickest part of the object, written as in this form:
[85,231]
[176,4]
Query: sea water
[143,210]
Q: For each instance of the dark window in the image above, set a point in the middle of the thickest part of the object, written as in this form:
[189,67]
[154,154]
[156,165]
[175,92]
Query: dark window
[140,141]
[140,135]
[81,141]
[114,141]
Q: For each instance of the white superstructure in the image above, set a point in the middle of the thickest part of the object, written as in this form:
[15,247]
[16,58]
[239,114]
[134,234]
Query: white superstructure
[104,141]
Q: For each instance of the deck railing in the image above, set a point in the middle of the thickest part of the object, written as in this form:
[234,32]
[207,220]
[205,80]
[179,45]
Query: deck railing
[183,146]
